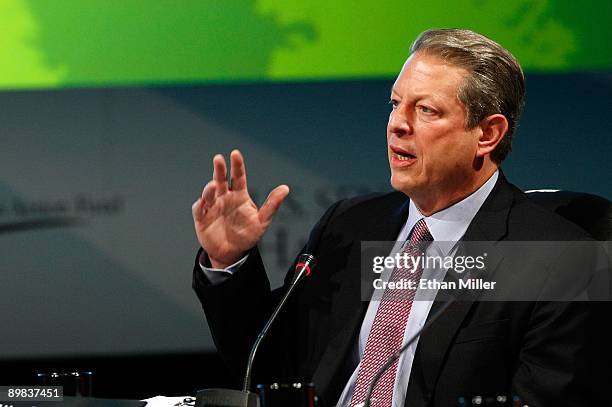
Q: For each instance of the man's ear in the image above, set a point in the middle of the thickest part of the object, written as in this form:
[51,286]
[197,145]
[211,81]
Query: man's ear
[493,128]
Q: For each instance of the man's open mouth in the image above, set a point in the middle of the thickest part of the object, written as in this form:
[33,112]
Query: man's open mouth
[402,155]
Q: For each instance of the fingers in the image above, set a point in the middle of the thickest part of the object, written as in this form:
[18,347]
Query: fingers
[208,195]
[220,173]
[238,171]
[199,207]
[219,186]
[197,210]
[273,202]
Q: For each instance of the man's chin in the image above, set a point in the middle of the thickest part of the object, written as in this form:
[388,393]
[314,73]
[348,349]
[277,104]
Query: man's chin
[405,186]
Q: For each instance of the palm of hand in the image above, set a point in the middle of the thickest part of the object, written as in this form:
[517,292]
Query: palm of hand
[232,224]
[227,221]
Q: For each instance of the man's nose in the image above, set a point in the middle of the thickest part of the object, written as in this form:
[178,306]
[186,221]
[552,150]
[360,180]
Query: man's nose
[399,122]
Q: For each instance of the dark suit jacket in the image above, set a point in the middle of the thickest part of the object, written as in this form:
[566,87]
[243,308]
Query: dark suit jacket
[542,351]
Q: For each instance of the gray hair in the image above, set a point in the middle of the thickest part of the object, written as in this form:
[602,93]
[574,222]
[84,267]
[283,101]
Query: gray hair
[495,83]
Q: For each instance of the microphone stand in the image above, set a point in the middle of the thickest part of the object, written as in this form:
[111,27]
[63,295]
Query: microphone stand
[302,269]
[244,397]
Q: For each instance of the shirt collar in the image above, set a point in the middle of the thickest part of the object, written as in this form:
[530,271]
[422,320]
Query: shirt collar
[450,224]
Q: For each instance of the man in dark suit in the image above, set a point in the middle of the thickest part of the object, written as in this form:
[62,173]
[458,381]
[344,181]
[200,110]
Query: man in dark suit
[455,107]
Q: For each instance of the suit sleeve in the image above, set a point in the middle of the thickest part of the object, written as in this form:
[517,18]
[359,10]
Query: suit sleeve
[237,309]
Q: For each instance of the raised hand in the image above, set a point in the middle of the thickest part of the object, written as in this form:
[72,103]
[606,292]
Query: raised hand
[227,221]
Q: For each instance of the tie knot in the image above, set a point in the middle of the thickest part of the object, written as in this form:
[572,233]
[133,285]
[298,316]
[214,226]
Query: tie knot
[420,232]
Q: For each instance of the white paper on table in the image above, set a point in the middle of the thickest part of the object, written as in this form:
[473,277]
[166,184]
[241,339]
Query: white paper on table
[163,401]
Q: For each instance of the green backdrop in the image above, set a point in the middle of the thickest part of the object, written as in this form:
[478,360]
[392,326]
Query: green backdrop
[68,43]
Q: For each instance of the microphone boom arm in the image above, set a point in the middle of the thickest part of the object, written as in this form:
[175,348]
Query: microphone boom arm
[302,269]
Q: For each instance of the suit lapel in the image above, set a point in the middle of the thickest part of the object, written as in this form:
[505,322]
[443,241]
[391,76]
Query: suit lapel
[348,310]
[489,224]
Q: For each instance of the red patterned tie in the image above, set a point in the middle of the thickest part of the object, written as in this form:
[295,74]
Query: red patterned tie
[389,325]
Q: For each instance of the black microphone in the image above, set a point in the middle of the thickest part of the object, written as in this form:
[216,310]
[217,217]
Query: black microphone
[303,268]
[244,398]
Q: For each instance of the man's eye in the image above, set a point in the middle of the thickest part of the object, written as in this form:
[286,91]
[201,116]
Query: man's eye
[393,103]
[425,109]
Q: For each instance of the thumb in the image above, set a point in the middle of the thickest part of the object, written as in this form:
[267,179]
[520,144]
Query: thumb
[273,202]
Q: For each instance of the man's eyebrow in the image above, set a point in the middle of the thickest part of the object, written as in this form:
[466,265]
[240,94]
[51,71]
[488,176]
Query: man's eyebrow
[393,89]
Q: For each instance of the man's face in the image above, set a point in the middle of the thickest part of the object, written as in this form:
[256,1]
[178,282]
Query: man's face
[431,153]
